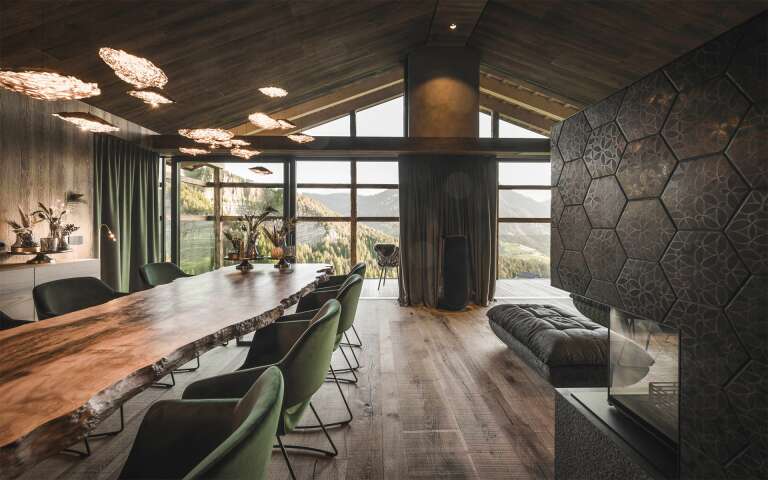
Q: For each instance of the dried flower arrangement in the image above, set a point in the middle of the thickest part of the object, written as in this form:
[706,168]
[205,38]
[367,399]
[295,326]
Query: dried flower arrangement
[23,231]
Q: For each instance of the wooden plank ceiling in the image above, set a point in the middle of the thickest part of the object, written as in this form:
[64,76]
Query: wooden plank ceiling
[542,60]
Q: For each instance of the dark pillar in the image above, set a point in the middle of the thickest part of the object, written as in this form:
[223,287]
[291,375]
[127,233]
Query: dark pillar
[443,92]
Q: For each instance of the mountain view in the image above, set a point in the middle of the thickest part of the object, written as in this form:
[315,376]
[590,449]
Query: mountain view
[523,247]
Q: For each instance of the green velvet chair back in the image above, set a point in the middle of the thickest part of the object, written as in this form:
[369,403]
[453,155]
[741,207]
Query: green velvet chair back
[247,452]
[69,295]
[348,297]
[358,269]
[307,362]
[154,274]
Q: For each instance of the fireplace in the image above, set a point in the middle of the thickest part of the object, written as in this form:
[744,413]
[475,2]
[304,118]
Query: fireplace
[644,373]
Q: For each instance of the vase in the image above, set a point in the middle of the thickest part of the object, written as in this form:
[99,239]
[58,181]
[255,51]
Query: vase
[277,252]
[64,242]
[49,244]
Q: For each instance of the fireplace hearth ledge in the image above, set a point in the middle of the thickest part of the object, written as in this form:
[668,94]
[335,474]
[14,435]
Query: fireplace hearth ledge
[599,442]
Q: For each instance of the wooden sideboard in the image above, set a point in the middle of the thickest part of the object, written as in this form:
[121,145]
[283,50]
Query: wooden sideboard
[18,280]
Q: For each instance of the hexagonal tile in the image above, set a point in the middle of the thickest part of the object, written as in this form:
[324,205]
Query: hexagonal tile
[554,133]
[556,164]
[555,248]
[574,273]
[704,63]
[645,106]
[704,193]
[557,206]
[748,232]
[747,394]
[702,267]
[704,330]
[645,167]
[604,255]
[574,227]
[644,289]
[748,149]
[749,68]
[748,312]
[704,119]
[604,202]
[574,182]
[604,149]
[645,229]
[751,462]
[554,278]
[573,137]
[604,292]
[605,110]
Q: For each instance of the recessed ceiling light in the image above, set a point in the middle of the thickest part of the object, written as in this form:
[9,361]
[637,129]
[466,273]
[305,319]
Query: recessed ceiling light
[274,92]
[139,72]
[44,85]
[87,122]
[452,26]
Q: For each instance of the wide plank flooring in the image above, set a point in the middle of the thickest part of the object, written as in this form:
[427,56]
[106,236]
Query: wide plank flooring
[439,396]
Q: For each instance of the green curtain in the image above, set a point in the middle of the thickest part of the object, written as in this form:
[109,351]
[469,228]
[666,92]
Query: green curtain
[439,196]
[126,199]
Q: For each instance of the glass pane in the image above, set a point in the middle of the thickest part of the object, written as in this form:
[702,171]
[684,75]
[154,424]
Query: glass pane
[324,202]
[241,172]
[196,246]
[510,130]
[383,120]
[377,172]
[524,173]
[334,128]
[524,250]
[195,199]
[485,125]
[324,242]
[370,234]
[252,200]
[378,202]
[167,212]
[524,203]
[197,171]
[323,172]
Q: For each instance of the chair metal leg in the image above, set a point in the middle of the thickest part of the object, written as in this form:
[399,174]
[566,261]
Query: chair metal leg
[359,343]
[384,274]
[328,453]
[350,369]
[381,275]
[165,385]
[190,369]
[81,454]
[242,343]
[354,355]
[285,456]
[346,404]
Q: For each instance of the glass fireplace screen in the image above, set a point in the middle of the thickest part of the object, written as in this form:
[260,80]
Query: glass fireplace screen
[644,372]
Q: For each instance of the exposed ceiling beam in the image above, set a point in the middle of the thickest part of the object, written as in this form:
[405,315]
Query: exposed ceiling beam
[495,71]
[518,115]
[462,13]
[526,98]
[362,93]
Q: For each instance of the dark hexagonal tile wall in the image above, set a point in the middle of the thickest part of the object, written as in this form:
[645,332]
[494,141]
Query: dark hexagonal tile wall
[705,63]
[604,255]
[604,111]
[554,133]
[574,273]
[748,150]
[749,68]
[702,267]
[645,167]
[573,137]
[645,106]
[556,248]
[751,463]
[704,119]
[704,330]
[557,206]
[574,227]
[574,182]
[604,149]
[644,289]
[645,229]
[703,194]
[604,292]
[747,395]
[604,202]
[748,312]
[748,232]
[556,164]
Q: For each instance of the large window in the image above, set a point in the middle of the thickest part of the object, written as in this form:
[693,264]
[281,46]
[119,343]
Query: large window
[344,208]
[524,231]
[385,119]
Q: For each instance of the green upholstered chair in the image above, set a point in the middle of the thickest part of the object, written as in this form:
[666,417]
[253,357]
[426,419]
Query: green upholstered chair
[305,348]
[210,439]
[7,322]
[334,282]
[154,274]
[71,294]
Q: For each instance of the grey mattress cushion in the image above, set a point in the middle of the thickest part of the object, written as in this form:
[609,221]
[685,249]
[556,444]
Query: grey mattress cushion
[554,336]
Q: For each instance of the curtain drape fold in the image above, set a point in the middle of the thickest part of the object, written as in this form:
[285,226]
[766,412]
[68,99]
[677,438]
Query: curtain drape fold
[439,196]
[126,199]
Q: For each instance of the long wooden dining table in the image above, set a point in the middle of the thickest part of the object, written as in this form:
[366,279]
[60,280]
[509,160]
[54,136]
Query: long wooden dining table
[60,377]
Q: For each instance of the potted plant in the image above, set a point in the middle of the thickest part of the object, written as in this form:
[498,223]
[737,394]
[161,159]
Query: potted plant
[235,234]
[66,231]
[251,224]
[25,242]
[54,217]
[277,234]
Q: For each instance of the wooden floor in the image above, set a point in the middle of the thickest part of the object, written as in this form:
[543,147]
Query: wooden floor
[439,397]
[534,288]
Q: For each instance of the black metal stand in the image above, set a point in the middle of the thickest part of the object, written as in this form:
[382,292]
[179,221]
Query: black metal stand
[87,451]
[328,453]
[189,369]
[165,385]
